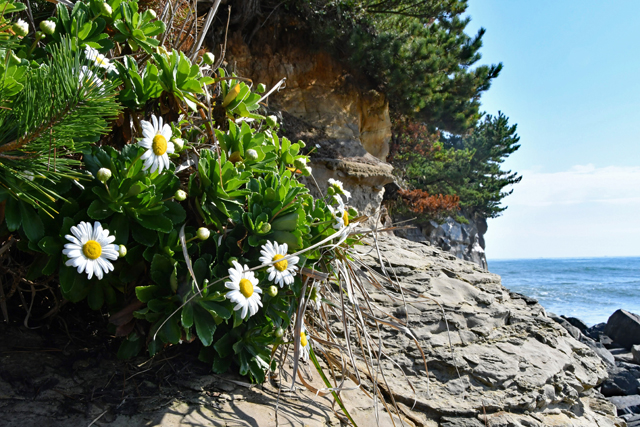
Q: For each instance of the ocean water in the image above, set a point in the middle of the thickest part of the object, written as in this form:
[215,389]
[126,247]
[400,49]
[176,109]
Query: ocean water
[590,289]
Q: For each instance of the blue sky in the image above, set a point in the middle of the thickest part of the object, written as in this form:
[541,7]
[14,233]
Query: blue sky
[571,81]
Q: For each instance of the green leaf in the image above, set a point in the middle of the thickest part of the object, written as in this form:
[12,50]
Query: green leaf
[129,348]
[146,293]
[31,223]
[98,210]
[224,345]
[205,325]
[50,245]
[171,330]
[12,214]
[144,236]
[161,269]
[215,308]
[156,222]
[119,226]
[187,315]
[175,212]
[221,365]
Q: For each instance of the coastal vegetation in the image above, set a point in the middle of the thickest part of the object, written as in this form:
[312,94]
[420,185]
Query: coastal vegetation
[444,149]
[142,178]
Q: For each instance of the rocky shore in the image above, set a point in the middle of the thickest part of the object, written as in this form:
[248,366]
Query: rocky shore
[498,360]
[617,342]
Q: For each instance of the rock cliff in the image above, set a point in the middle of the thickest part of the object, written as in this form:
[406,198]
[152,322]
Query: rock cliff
[498,361]
[465,241]
[345,123]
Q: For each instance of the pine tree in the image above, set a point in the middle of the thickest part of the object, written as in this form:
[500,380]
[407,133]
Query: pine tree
[491,142]
[41,136]
[417,52]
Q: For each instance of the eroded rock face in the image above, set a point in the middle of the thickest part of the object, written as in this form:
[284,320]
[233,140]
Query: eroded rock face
[465,241]
[508,359]
[352,123]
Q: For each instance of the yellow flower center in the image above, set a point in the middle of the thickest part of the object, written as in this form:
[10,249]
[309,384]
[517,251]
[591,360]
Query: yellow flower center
[280,265]
[303,339]
[246,287]
[101,60]
[159,145]
[92,249]
[345,218]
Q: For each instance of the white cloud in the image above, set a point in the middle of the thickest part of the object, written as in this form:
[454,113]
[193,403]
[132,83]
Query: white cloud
[581,212]
[580,184]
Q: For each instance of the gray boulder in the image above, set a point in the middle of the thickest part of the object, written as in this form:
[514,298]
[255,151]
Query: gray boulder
[626,404]
[624,328]
[635,351]
[620,383]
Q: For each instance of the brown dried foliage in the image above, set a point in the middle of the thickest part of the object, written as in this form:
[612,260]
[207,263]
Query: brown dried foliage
[410,136]
[421,202]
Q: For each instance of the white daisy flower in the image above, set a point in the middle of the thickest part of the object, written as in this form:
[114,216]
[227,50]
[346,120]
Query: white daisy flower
[88,79]
[90,249]
[244,292]
[156,139]
[99,59]
[338,186]
[340,213]
[282,271]
[305,345]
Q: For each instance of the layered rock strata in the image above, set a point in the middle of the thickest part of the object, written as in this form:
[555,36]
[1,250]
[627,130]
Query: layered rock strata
[347,124]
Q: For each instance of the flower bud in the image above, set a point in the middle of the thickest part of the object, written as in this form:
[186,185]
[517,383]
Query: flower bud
[272,121]
[208,58]
[272,291]
[251,154]
[300,163]
[302,144]
[261,88]
[330,191]
[48,27]
[266,227]
[122,251]
[235,157]
[103,175]
[203,233]
[105,9]
[180,195]
[306,171]
[178,144]
[21,28]
[279,333]
[153,13]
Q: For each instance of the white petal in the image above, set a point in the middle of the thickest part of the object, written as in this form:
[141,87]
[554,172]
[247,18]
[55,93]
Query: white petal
[146,143]
[166,131]
[72,253]
[89,269]
[73,240]
[98,270]
[245,308]
[154,120]
[148,162]
[97,231]
[170,148]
